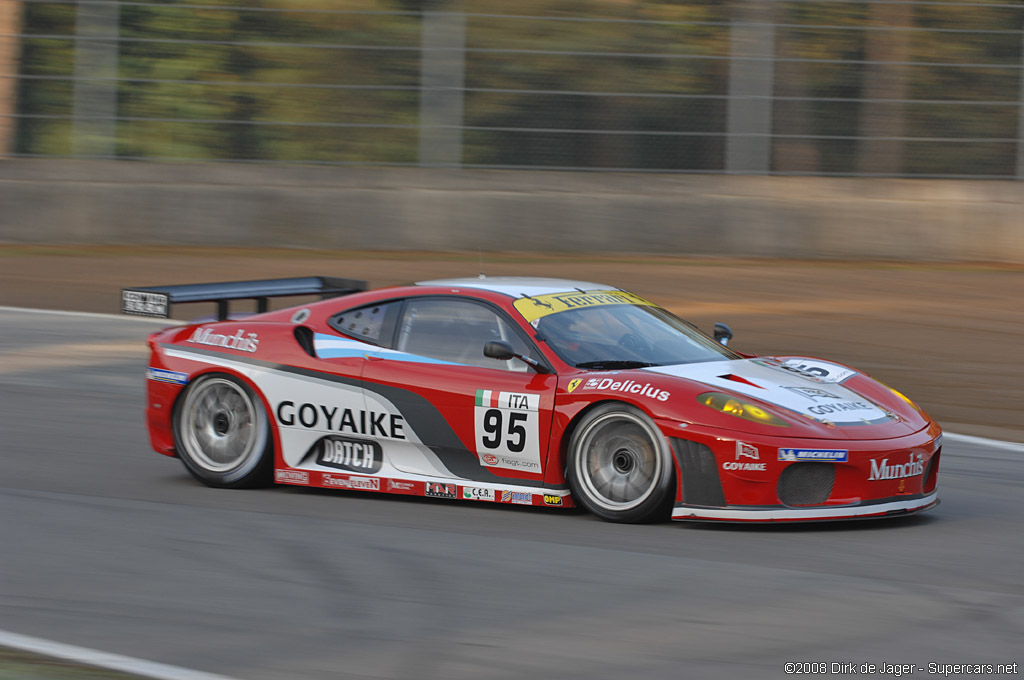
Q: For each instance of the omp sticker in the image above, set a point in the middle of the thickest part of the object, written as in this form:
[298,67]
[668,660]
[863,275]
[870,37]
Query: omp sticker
[507,427]
[533,308]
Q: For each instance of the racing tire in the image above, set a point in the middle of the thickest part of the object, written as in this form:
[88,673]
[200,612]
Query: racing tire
[222,433]
[619,466]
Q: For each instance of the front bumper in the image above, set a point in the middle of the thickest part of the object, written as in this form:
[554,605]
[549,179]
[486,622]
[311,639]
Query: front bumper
[747,478]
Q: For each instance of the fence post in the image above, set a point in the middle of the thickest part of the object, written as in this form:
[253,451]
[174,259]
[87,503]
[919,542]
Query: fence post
[95,91]
[1020,113]
[10,21]
[883,115]
[748,141]
[442,74]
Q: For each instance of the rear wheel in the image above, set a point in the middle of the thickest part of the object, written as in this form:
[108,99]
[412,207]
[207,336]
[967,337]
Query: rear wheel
[619,466]
[222,433]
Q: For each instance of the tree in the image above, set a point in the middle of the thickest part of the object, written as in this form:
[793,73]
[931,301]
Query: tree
[10,25]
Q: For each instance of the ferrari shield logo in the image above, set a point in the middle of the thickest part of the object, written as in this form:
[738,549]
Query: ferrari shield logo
[573,384]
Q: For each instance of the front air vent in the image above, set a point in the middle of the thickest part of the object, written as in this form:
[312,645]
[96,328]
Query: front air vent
[806,483]
[931,472]
[701,484]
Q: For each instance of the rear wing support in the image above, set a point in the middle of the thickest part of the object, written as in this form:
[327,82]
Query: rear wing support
[156,301]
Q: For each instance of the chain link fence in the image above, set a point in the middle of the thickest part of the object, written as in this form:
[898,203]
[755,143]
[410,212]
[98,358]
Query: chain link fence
[901,88]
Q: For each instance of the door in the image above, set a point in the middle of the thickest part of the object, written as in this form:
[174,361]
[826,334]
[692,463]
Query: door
[473,417]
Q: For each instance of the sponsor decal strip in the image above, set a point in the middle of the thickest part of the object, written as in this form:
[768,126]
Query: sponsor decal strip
[804,513]
[241,340]
[447,489]
[291,476]
[814,455]
[883,469]
[351,482]
[444,489]
[517,497]
[627,387]
[539,306]
[475,493]
[165,376]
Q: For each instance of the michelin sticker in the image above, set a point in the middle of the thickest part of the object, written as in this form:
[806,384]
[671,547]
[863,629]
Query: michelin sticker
[809,455]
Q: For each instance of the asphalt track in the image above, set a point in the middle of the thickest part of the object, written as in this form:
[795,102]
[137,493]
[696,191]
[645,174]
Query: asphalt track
[109,546]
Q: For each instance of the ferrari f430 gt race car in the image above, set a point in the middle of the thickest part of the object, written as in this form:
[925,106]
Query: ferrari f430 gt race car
[538,392]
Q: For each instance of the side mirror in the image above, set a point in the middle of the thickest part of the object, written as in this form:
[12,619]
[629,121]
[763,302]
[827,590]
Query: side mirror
[495,349]
[723,333]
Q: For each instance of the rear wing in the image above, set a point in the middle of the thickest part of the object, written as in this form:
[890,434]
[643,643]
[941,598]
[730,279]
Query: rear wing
[156,301]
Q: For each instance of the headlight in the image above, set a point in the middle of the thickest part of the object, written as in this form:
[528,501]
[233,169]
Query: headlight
[742,409]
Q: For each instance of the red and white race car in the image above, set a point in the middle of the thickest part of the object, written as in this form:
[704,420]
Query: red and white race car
[539,392]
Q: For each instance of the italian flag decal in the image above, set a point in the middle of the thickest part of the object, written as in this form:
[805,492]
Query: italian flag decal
[487,398]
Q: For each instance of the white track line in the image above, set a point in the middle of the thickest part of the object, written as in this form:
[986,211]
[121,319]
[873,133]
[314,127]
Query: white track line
[112,662]
[94,315]
[966,439]
[983,441]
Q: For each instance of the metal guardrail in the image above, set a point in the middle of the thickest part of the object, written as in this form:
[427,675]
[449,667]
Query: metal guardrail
[904,88]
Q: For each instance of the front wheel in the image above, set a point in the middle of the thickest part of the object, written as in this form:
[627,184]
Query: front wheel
[619,466]
[222,434]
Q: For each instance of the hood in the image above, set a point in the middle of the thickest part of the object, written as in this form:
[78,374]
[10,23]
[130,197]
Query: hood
[832,399]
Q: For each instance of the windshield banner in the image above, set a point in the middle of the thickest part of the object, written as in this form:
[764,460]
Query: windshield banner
[533,308]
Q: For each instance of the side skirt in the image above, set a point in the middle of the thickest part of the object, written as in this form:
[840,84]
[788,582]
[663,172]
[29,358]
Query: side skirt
[430,487]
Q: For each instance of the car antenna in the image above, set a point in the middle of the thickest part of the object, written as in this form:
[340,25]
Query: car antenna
[480,254]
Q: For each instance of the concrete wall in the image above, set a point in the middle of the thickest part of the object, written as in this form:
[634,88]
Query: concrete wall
[101,202]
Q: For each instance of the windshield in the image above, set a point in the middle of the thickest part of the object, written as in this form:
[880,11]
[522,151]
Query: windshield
[609,337]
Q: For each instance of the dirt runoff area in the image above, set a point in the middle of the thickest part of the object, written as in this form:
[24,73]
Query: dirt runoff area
[949,336]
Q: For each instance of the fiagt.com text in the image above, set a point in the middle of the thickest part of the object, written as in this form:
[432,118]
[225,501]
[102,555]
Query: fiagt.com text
[899,669]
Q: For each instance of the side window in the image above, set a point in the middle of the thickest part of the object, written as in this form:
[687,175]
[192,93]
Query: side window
[456,330]
[374,324]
